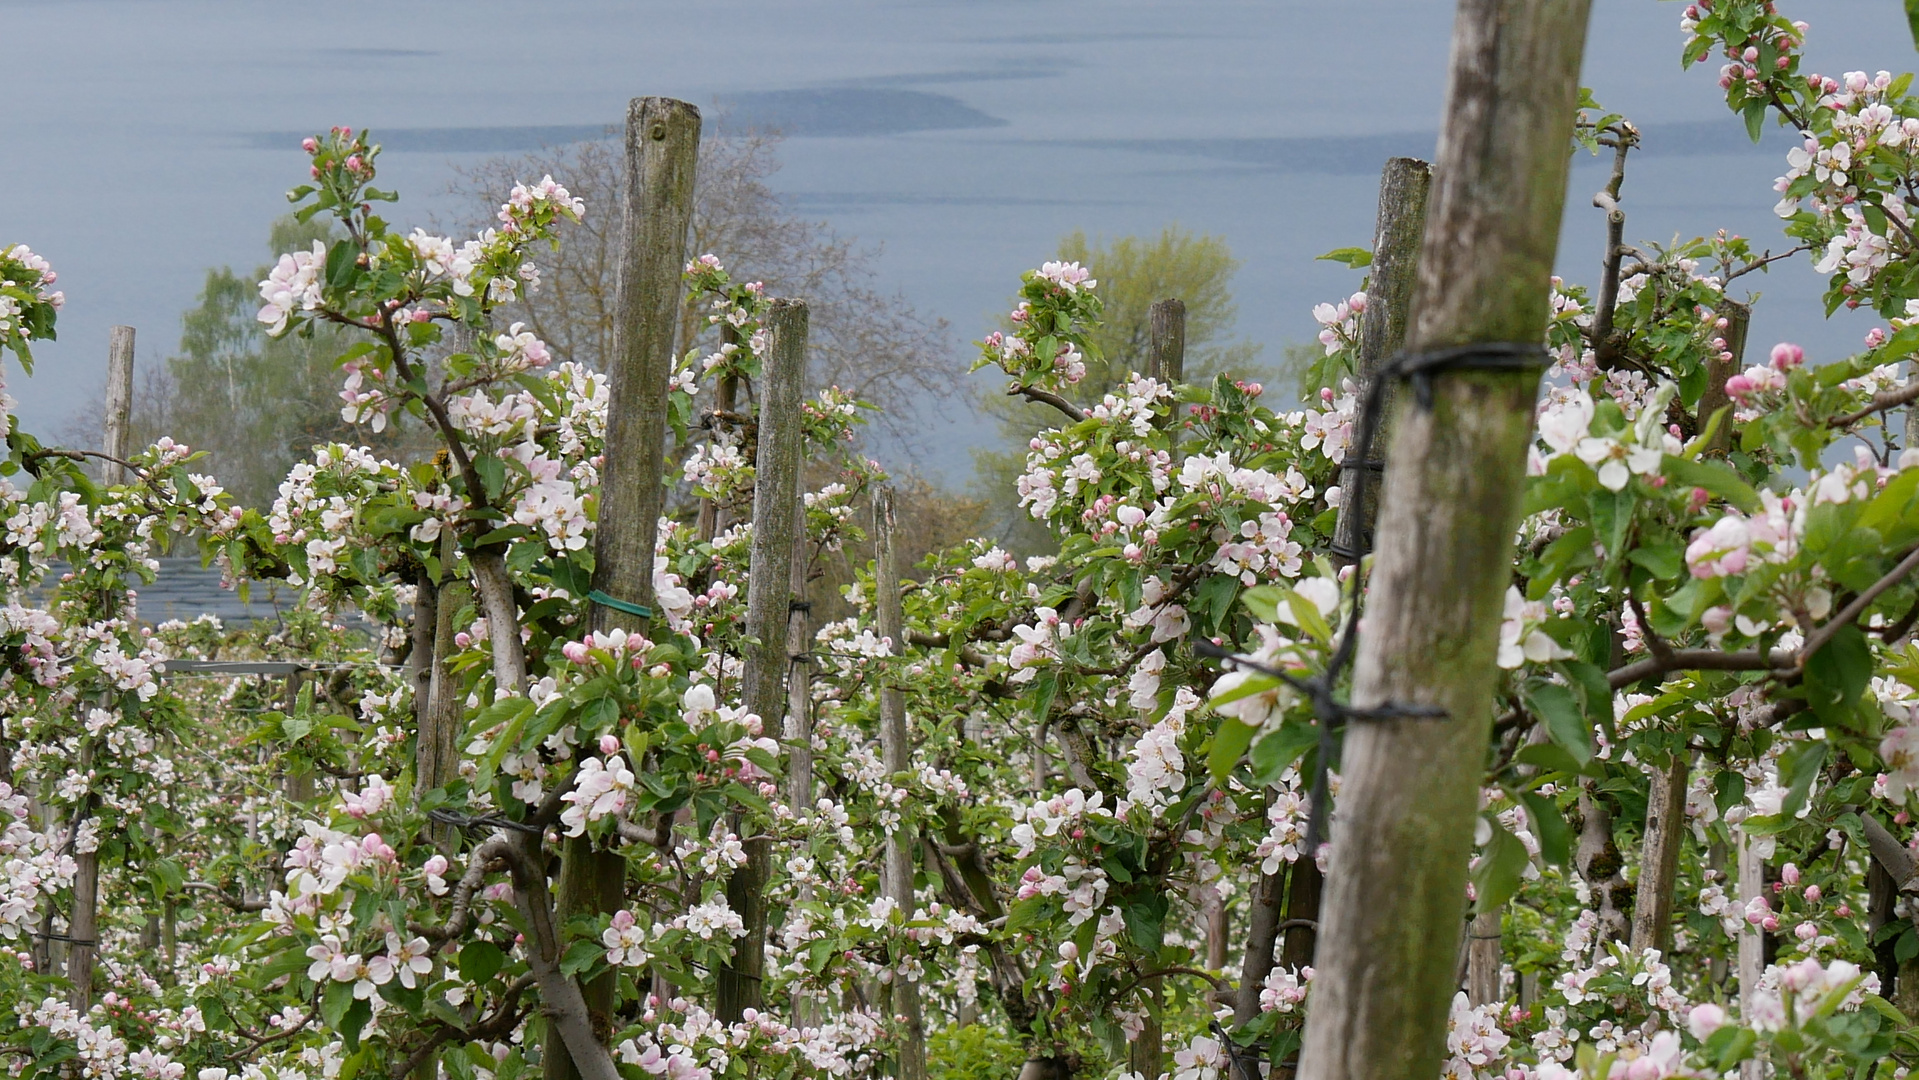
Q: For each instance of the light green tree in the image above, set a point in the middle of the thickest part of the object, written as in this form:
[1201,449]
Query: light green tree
[257,405]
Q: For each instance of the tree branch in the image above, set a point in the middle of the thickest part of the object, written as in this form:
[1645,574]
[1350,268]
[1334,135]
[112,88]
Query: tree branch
[561,999]
[1851,612]
[1047,397]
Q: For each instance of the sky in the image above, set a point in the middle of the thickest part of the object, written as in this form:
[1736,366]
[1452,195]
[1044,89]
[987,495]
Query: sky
[961,139]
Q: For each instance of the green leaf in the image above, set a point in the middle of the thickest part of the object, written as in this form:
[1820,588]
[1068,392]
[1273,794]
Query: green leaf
[1548,757]
[1146,920]
[1612,516]
[1729,1046]
[480,960]
[355,1020]
[1229,744]
[1279,749]
[1716,477]
[1497,876]
[335,1002]
[1663,561]
[1555,837]
[492,473]
[340,264]
[1798,768]
[1565,723]
[1837,675]
[581,955]
[1355,257]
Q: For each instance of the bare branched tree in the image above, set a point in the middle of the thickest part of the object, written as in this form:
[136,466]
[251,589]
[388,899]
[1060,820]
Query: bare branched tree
[864,338]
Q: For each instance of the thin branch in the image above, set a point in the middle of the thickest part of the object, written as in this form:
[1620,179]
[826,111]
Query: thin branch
[478,864]
[237,903]
[1885,399]
[260,1041]
[1851,612]
[1701,660]
[1765,260]
[1047,397]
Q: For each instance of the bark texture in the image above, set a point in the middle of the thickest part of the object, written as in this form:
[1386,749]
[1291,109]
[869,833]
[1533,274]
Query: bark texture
[896,750]
[1404,186]
[1659,858]
[776,491]
[1396,891]
[662,158]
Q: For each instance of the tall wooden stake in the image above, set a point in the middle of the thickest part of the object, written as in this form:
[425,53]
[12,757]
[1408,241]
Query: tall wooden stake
[119,399]
[776,491]
[1659,856]
[1404,184]
[1396,891]
[799,680]
[1752,943]
[896,756]
[662,157]
[83,926]
[1166,362]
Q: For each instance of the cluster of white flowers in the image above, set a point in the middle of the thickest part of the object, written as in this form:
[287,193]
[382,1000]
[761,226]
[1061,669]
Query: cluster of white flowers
[32,866]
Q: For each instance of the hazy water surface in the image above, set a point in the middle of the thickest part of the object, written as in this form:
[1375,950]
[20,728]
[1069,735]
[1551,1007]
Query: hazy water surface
[148,140]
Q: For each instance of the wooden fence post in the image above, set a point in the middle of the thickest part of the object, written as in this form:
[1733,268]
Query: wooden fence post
[1410,792]
[896,757]
[83,925]
[1752,943]
[662,157]
[1166,362]
[1659,856]
[119,399]
[798,731]
[1403,187]
[769,598]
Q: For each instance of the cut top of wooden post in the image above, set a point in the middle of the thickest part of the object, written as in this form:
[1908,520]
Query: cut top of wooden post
[662,156]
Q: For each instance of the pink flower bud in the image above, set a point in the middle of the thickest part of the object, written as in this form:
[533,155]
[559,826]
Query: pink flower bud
[1813,894]
[1787,355]
[309,144]
[1805,931]
[574,651]
[609,744]
[1789,873]
[1844,911]
[1770,923]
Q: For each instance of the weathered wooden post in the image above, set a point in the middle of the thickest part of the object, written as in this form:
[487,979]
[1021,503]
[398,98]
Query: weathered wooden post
[896,756]
[776,491]
[119,400]
[1404,185]
[1659,855]
[1396,891]
[1166,362]
[798,730]
[1752,943]
[83,926]
[662,156]
[1292,894]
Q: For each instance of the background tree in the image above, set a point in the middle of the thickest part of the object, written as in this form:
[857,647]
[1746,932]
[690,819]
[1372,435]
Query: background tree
[255,404]
[1133,272]
[862,337]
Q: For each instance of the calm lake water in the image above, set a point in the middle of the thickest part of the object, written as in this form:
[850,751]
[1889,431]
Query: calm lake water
[148,140]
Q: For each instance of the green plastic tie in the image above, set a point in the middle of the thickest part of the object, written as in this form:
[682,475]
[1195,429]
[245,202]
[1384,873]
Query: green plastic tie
[604,600]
